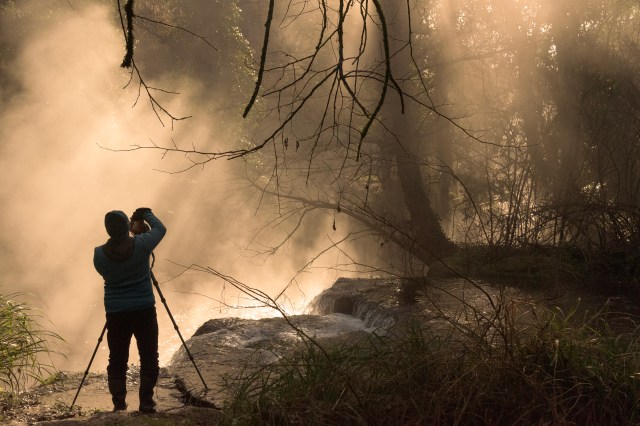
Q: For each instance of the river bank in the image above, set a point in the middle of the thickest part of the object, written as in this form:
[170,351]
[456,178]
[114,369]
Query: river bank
[49,404]
[223,349]
[501,336]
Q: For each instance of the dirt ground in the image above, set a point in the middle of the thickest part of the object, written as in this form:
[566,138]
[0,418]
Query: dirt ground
[182,396]
[50,404]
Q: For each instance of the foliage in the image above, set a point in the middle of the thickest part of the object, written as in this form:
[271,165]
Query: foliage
[500,119]
[535,266]
[23,345]
[528,365]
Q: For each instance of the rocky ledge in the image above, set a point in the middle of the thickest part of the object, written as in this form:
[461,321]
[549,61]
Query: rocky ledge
[192,388]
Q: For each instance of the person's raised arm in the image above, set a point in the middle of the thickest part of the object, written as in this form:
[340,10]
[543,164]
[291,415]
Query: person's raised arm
[153,237]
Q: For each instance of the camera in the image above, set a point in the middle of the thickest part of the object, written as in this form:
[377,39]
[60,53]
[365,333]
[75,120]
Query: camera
[138,227]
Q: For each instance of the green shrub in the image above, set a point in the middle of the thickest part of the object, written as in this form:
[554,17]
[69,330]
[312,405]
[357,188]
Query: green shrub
[24,353]
[526,365]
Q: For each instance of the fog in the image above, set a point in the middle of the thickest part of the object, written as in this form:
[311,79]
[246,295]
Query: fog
[60,176]
[495,124]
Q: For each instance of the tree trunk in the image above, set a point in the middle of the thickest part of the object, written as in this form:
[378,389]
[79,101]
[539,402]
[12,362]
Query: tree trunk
[407,152]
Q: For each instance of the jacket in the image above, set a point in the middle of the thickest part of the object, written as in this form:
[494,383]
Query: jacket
[127,277]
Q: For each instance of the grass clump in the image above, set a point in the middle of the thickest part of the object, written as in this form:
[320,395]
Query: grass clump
[23,346]
[523,365]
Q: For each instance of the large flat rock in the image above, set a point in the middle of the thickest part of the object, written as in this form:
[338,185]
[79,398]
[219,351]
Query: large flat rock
[224,348]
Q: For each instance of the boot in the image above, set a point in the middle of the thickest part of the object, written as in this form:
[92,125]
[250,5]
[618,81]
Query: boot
[147,384]
[118,390]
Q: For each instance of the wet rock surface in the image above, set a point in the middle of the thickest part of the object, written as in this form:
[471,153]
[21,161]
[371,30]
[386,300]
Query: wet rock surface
[222,349]
[225,348]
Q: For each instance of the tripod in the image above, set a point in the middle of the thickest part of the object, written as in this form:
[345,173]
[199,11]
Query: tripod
[175,327]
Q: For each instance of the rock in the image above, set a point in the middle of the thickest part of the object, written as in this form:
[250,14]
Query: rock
[224,349]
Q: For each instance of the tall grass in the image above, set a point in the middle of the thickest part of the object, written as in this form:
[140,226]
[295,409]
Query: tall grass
[24,350]
[527,365]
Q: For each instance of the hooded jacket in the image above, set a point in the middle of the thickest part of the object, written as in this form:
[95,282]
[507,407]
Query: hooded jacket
[123,263]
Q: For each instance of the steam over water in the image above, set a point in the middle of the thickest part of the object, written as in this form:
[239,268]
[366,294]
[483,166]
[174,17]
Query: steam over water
[505,124]
[64,106]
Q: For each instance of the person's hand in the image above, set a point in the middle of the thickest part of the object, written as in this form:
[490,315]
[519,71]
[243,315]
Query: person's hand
[139,227]
[139,214]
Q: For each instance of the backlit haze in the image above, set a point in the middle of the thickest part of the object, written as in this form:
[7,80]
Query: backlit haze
[58,181]
[493,123]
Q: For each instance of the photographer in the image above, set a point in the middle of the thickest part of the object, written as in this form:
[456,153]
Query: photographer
[123,263]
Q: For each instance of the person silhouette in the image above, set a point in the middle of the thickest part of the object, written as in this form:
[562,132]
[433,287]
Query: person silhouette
[123,263]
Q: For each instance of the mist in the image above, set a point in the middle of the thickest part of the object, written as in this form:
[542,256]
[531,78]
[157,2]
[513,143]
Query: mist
[502,125]
[60,173]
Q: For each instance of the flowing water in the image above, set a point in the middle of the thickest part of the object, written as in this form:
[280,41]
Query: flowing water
[367,304]
[376,304]
[227,347]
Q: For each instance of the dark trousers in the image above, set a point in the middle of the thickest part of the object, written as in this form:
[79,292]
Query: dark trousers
[121,326]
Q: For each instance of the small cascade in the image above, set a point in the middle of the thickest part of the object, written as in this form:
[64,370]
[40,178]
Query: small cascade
[376,302]
[374,316]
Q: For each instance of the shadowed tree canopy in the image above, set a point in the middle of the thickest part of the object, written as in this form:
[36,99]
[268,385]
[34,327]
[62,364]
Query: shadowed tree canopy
[507,124]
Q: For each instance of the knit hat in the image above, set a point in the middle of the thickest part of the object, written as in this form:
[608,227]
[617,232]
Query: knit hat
[116,223]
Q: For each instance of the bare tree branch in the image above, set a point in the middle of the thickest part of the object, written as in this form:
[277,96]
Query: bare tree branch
[128,32]
[263,58]
[176,27]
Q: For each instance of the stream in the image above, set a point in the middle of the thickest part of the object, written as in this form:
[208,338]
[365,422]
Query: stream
[225,347]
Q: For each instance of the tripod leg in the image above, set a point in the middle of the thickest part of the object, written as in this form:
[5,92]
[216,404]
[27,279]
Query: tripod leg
[175,326]
[89,366]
